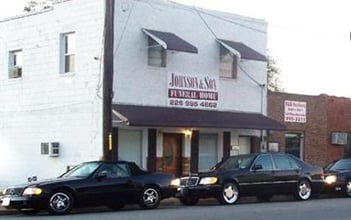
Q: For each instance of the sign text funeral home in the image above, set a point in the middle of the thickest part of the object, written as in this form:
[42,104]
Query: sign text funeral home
[192,91]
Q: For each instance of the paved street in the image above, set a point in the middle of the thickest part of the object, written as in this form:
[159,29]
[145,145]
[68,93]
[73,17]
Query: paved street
[281,209]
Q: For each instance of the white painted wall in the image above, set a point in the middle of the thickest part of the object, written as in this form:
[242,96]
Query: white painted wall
[44,106]
[137,83]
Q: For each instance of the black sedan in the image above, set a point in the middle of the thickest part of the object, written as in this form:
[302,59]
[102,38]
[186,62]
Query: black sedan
[338,177]
[261,175]
[95,183]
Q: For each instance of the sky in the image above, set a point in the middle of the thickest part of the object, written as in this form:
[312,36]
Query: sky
[308,39]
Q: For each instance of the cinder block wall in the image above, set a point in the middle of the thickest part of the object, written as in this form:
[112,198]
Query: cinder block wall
[44,105]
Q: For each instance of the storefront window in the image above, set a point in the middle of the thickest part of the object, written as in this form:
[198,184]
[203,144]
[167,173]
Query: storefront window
[130,145]
[293,144]
[207,151]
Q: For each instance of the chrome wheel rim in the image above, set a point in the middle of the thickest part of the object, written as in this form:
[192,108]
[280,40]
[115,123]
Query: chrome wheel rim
[150,197]
[304,190]
[230,193]
[60,202]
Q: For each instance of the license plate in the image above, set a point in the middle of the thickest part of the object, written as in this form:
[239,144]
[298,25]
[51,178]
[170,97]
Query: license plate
[5,202]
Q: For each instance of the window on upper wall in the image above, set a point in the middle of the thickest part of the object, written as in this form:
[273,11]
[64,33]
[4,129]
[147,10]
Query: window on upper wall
[157,55]
[228,64]
[15,64]
[68,52]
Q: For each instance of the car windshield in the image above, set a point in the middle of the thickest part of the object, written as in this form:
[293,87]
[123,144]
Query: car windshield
[82,170]
[339,165]
[235,162]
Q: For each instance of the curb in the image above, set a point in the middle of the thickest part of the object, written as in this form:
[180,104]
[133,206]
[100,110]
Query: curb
[4,211]
[164,202]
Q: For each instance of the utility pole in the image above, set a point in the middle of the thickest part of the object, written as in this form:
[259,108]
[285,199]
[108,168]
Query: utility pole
[108,152]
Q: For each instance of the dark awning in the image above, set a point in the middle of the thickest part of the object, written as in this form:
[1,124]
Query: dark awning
[180,117]
[244,51]
[170,41]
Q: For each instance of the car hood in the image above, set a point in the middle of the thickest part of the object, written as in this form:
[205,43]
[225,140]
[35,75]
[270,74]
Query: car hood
[47,182]
[207,173]
[212,173]
[331,172]
[57,180]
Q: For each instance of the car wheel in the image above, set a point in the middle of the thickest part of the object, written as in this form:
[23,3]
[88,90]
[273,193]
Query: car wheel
[348,188]
[229,194]
[29,211]
[150,198]
[60,202]
[189,201]
[304,190]
[264,197]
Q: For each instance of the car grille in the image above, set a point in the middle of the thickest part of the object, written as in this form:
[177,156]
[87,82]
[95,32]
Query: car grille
[189,181]
[14,191]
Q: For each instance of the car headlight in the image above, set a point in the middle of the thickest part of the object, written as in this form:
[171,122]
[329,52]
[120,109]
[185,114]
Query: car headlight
[208,180]
[330,179]
[32,191]
[175,182]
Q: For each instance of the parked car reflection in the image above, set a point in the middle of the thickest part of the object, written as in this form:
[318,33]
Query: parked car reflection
[95,183]
[261,175]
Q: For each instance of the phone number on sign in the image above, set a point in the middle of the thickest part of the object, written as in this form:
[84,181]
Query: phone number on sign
[192,103]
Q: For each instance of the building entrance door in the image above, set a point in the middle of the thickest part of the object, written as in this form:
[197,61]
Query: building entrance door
[172,153]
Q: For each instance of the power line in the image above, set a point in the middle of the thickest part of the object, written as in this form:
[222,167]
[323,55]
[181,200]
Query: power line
[206,24]
[297,30]
[249,76]
[214,34]
[124,30]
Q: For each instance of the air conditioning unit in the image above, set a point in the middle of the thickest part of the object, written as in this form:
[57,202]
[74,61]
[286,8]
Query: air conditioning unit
[339,138]
[54,150]
[16,72]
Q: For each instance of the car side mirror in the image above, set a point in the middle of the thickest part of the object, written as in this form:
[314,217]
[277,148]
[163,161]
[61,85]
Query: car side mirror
[102,174]
[257,167]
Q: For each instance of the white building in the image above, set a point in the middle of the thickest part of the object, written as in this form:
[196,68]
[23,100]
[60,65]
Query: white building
[50,79]
[189,87]
[170,59]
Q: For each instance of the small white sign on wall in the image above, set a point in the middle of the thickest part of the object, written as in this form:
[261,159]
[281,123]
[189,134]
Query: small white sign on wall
[295,111]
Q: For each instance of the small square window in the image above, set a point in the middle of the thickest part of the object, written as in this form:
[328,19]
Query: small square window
[157,55]
[68,52]
[228,64]
[15,64]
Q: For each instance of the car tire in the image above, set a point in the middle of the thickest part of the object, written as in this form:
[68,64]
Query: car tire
[229,194]
[150,197]
[189,201]
[303,190]
[347,188]
[264,197]
[60,202]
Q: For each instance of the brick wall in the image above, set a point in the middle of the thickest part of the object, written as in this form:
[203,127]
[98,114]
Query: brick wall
[339,120]
[314,130]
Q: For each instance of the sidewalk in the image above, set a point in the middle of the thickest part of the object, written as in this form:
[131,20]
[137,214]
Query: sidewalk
[165,202]
[4,211]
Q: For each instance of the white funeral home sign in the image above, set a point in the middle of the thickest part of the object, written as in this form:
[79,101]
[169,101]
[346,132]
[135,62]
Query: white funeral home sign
[192,91]
[295,111]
